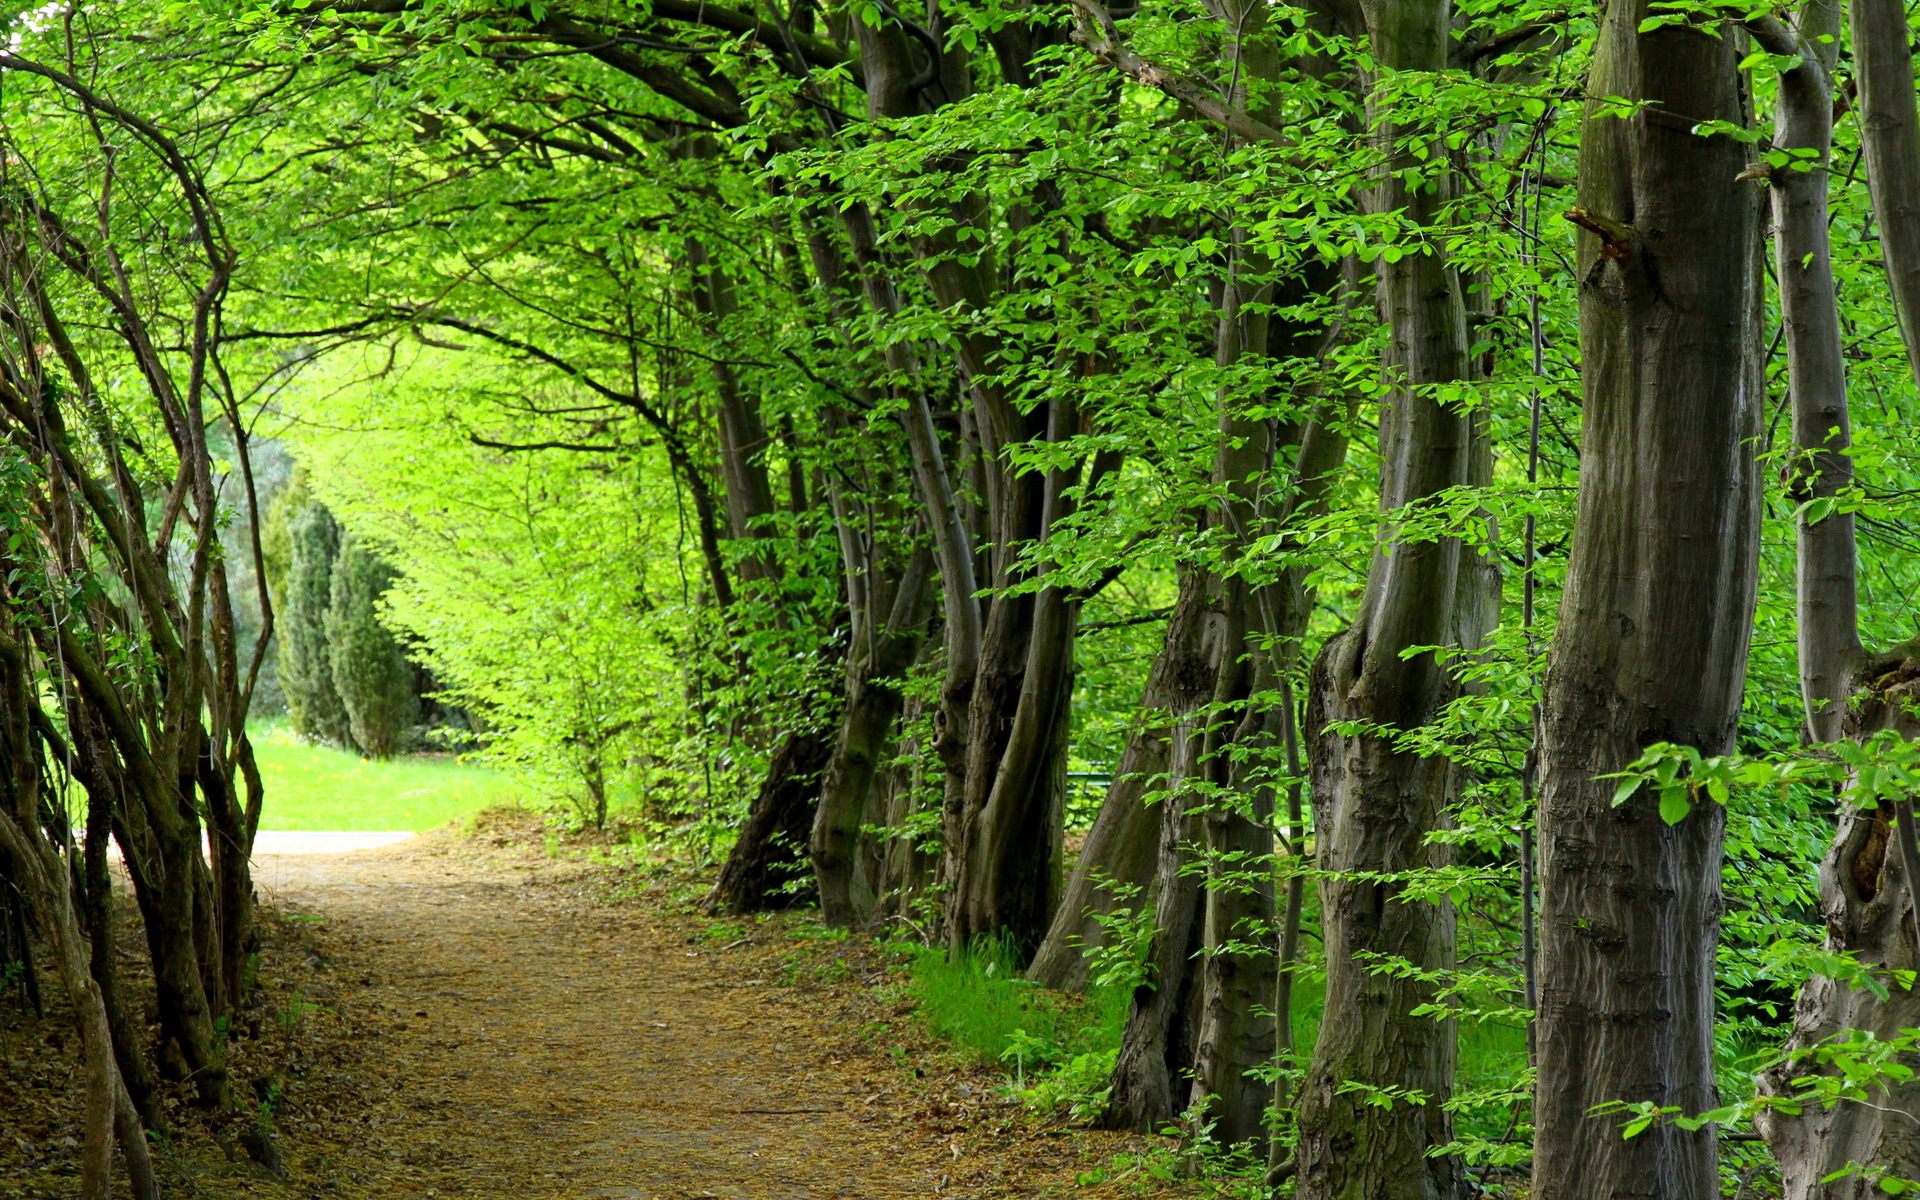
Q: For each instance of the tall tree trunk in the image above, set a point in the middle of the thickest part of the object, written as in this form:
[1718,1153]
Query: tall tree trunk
[884,650]
[1157,1048]
[1826,592]
[1015,797]
[1122,848]
[1882,47]
[768,860]
[1374,803]
[1864,891]
[1657,615]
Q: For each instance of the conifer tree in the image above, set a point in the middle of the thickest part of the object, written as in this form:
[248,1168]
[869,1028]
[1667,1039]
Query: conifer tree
[371,674]
[306,661]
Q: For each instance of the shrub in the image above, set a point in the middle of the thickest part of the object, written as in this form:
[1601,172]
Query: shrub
[370,670]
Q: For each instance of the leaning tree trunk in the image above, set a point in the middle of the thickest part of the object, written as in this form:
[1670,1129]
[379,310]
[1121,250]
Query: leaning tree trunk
[1657,614]
[1157,1047]
[97,909]
[767,867]
[49,890]
[886,646]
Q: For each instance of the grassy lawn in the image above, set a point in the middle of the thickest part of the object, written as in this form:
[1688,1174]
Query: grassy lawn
[318,787]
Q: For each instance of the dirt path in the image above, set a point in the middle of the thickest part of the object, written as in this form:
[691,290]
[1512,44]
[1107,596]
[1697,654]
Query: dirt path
[525,1043]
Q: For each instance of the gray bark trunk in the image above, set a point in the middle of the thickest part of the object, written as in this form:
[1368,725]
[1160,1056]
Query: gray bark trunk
[1890,138]
[1374,804]
[1829,638]
[1863,889]
[1657,614]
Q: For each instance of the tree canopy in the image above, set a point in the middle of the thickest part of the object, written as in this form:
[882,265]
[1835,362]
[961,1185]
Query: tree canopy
[1413,493]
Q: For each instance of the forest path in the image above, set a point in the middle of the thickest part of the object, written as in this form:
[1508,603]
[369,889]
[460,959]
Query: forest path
[539,1046]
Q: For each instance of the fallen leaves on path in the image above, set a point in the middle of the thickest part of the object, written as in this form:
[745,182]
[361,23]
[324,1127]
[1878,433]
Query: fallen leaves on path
[451,1018]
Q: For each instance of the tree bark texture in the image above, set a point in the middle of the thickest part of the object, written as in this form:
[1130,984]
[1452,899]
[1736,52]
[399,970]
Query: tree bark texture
[883,653]
[1151,1076]
[1123,846]
[1828,630]
[1890,138]
[1657,614]
[770,856]
[1373,803]
[1866,905]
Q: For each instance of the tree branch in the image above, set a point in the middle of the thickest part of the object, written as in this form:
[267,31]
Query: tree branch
[1093,28]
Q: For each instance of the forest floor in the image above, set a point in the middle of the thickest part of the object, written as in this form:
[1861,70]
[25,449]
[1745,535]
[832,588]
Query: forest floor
[477,1017]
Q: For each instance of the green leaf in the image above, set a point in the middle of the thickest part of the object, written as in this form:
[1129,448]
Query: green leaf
[1674,805]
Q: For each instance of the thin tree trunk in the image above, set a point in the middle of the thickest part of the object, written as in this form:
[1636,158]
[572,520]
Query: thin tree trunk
[49,892]
[1157,1047]
[1890,137]
[876,671]
[97,910]
[1655,622]
[1829,635]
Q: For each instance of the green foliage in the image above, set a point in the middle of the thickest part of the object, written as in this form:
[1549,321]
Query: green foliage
[534,586]
[306,652]
[371,674]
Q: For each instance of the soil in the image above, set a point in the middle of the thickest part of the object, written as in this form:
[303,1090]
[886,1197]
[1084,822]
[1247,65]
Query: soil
[454,1017]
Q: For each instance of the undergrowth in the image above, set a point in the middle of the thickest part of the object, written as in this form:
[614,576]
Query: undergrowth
[1059,1049]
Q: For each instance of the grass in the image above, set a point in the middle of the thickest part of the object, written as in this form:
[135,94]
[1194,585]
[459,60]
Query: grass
[979,1004]
[321,788]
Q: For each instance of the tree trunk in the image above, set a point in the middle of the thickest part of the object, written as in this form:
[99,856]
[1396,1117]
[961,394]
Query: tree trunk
[1863,889]
[1122,848]
[769,858]
[885,642]
[1157,1048]
[1828,631]
[96,893]
[1374,803]
[1657,614]
[1890,138]
[160,856]
[1004,841]
[49,893]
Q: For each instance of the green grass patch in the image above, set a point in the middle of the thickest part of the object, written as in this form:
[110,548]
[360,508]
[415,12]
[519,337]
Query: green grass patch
[322,788]
[979,1004]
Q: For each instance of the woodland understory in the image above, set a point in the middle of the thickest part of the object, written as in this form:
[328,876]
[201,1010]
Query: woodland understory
[1374,537]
